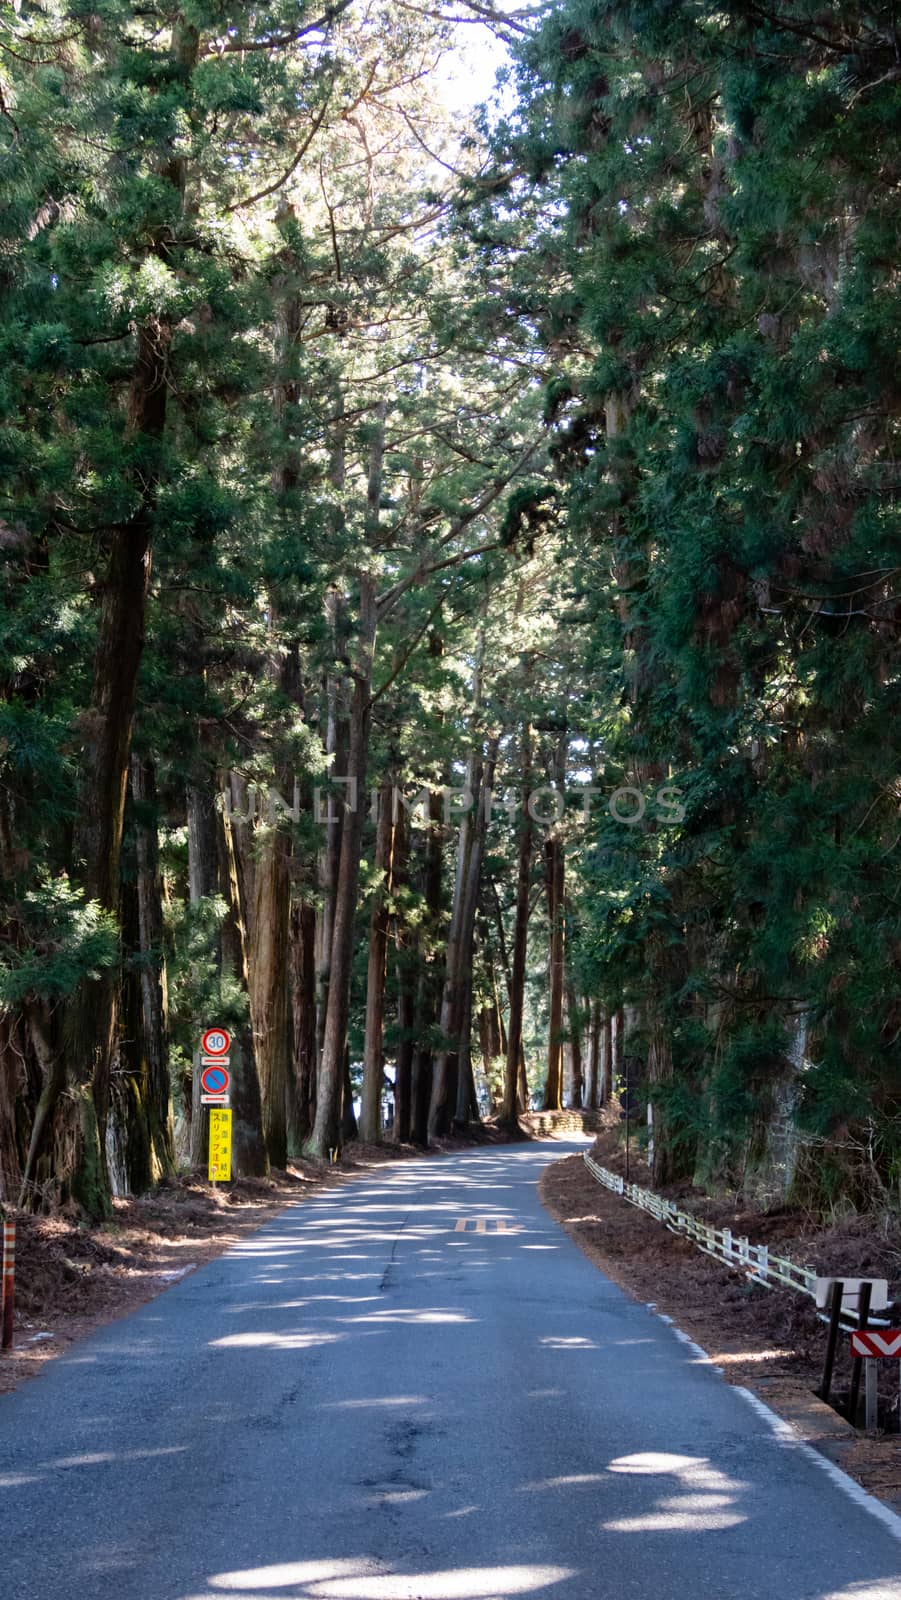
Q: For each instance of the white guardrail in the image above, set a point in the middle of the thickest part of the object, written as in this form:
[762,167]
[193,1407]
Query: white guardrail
[755,1260]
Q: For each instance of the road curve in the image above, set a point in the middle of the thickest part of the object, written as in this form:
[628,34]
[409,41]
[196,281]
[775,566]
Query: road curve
[413,1388]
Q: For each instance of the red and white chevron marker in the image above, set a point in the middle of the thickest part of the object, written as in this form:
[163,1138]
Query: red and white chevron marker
[869,1343]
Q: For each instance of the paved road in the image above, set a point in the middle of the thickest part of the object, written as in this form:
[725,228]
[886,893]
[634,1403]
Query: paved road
[367,1400]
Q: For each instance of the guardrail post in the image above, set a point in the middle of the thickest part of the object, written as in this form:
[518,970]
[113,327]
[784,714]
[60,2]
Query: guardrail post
[727,1242]
[863,1317]
[835,1317]
[763,1261]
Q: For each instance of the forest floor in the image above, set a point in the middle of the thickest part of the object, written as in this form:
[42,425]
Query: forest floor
[71,1276]
[768,1340]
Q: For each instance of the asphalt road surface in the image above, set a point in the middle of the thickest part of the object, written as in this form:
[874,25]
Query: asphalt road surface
[414,1388]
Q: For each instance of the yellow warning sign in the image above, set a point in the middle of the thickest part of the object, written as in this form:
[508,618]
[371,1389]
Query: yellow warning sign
[220,1145]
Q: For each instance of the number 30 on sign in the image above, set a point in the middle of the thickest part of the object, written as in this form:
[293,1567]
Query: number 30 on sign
[220,1145]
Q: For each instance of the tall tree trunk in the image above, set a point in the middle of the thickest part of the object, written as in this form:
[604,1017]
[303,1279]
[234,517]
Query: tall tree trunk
[554,869]
[573,1028]
[248,1142]
[349,1129]
[405,957]
[302,1104]
[203,882]
[89,1020]
[157,1091]
[452,1091]
[556,901]
[373,1048]
[268,968]
[605,1072]
[337,736]
[618,1045]
[467,1100]
[327,1128]
[444,1082]
[520,938]
[592,1099]
[330,1094]
[429,984]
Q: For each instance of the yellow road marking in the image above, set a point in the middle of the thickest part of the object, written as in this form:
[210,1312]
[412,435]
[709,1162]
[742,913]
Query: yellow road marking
[483,1225]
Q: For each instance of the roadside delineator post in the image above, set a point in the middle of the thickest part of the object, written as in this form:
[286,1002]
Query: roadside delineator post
[9,1282]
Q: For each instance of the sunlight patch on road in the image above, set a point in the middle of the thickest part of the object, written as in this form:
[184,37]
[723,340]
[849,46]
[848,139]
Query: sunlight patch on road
[706,1500]
[410,1316]
[344,1580]
[560,1342]
[382,1400]
[676,1522]
[888,1589]
[99,1458]
[572,1481]
[395,1497]
[275,1341]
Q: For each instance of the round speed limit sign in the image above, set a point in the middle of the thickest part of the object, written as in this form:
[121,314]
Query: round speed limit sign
[215,1042]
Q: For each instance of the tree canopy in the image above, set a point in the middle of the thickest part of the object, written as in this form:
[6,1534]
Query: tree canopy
[450,584]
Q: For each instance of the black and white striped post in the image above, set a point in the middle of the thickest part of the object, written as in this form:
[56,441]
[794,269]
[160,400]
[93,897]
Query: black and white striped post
[9,1282]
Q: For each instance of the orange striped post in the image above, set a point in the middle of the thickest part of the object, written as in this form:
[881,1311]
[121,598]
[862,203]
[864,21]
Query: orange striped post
[9,1282]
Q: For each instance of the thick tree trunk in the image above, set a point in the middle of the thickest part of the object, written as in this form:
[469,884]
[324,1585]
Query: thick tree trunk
[618,1045]
[592,1092]
[554,869]
[249,1145]
[327,1128]
[429,986]
[302,1104]
[155,1023]
[520,939]
[337,736]
[444,1081]
[373,1048]
[555,875]
[332,1067]
[203,882]
[605,1060]
[452,1090]
[269,976]
[467,1100]
[127,1143]
[573,1028]
[489,1045]
[89,1021]
[349,1128]
[406,989]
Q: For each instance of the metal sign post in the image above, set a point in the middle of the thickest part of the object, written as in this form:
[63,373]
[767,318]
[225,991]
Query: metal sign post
[867,1347]
[215,1082]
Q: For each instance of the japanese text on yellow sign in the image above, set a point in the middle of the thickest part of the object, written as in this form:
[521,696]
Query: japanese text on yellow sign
[220,1145]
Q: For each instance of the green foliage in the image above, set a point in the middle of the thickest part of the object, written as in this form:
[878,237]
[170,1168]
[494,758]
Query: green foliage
[60,941]
[712,200]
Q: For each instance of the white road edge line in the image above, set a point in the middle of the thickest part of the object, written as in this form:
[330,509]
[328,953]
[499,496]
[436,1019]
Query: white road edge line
[791,1439]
